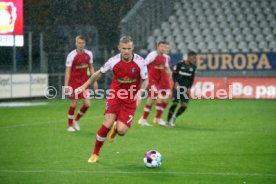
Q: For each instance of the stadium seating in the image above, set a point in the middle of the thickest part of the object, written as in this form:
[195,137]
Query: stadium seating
[219,26]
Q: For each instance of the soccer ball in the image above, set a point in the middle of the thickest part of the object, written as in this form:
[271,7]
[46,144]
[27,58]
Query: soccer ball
[152,159]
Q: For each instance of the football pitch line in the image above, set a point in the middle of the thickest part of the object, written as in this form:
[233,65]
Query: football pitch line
[46,122]
[142,172]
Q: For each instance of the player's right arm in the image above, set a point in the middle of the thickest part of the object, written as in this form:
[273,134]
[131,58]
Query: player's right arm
[66,78]
[68,65]
[92,71]
[94,77]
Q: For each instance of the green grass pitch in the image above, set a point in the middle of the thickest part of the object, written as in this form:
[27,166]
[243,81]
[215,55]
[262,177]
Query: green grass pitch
[214,141]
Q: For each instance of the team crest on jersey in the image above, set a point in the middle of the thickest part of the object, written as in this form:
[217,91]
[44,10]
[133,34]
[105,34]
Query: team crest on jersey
[133,70]
[86,58]
[191,69]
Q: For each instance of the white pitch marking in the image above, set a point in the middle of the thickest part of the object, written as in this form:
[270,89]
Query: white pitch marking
[42,123]
[146,172]
[22,104]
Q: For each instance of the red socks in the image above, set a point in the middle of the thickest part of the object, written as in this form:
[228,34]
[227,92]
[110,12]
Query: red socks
[160,107]
[71,112]
[101,135]
[71,116]
[159,110]
[146,111]
[81,112]
[164,105]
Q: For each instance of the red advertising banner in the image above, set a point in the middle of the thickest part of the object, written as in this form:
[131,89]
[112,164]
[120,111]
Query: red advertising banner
[234,88]
[258,88]
[11,23]
[208,88]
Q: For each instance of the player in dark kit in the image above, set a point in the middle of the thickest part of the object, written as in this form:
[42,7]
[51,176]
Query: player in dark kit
[183,76]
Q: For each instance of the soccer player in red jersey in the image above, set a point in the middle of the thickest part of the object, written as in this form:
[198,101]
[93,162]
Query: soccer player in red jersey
[129,70]
[77,63]
[159,72]
[166,83]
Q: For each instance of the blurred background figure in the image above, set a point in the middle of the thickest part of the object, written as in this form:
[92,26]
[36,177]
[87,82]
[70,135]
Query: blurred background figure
[183,76]
[158,68]
[77,63]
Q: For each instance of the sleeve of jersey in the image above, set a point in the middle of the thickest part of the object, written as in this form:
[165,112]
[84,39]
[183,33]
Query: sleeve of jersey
[144,72]
[168,60]
[150,57]
[91,57]
[69,60]
[106,66]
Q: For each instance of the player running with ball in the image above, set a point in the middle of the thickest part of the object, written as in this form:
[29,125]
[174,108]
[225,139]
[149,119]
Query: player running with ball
[129,70]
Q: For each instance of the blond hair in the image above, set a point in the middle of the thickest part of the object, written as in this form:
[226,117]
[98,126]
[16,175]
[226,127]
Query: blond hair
[80,37]
[125,39]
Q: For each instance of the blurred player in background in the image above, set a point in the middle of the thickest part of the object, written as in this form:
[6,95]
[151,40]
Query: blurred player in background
[183,76]
[159,88]
[129,70]
[166,83]
[77,63]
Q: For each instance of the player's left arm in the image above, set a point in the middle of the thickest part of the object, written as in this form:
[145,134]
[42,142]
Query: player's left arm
[167,65]
[193,76]
[169,71]
[192,81]
[138,96]
[92,71]
[144,85]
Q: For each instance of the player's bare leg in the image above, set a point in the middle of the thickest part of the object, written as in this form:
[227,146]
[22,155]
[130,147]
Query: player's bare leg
[113,132]
[121,128]
[118,128]
[101,136]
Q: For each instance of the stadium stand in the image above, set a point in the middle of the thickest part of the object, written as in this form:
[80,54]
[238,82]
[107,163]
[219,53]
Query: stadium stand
[215,27]
[218,26]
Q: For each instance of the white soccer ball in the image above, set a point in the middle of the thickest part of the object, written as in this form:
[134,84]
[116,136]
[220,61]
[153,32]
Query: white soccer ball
[152,159]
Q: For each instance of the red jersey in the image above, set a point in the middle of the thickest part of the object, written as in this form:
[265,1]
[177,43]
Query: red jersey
[156,66]
[165,82]
[127,76]
[79,63]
